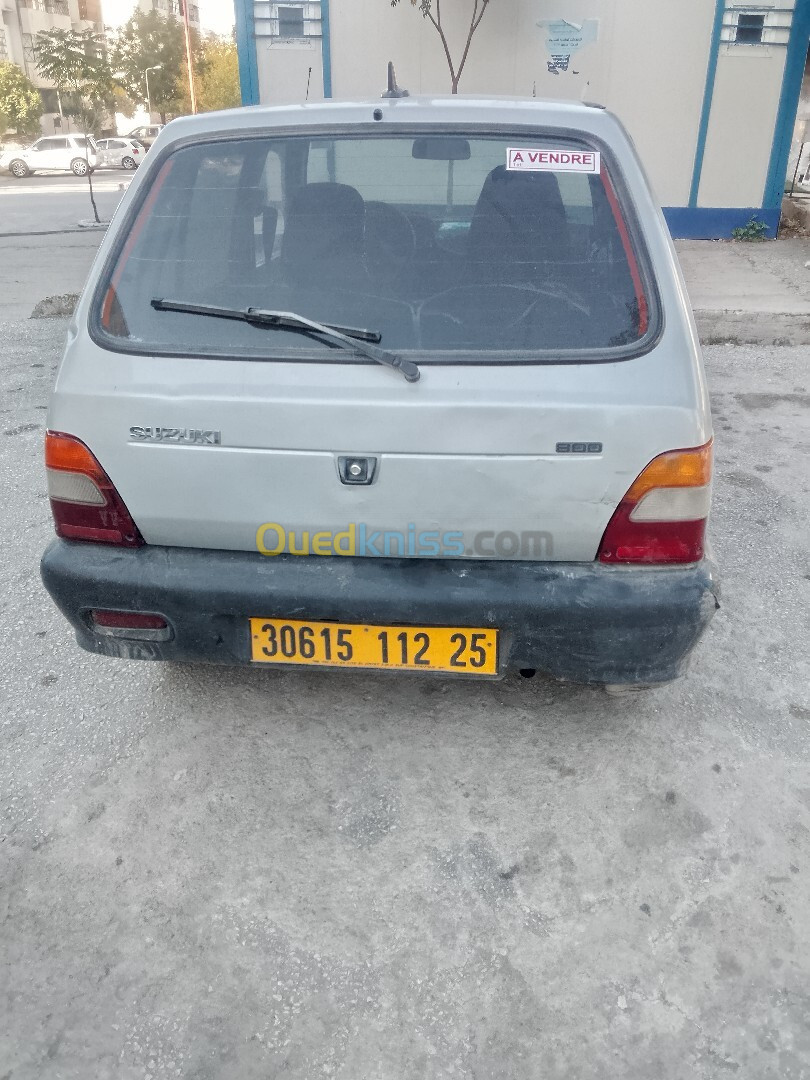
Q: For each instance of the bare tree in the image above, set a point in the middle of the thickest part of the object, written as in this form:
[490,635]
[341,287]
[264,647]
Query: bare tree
[433,12]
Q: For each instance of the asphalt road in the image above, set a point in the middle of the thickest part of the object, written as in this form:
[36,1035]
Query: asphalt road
[43,251]
[53,202]
[211,873]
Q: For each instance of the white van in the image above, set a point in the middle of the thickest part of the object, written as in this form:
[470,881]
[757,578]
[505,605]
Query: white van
[407,384]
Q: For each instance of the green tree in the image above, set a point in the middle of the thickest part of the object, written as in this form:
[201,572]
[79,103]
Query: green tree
[154,41]
[433,13]
[76,63]
[20,103]
[216,77]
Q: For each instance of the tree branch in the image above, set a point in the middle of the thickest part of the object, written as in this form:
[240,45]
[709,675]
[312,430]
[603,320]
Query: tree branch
[474,24]
[437,22]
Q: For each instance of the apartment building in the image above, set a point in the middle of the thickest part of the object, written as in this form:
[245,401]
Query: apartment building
[22,20]
[175,8]
[707,88]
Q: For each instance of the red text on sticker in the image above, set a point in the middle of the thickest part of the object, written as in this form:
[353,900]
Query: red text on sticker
[532,159]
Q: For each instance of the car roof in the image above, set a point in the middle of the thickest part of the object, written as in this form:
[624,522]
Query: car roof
[422,111]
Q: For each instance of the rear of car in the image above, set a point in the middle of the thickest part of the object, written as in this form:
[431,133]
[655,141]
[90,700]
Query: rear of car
[120,153]
[406,385]
[146,135]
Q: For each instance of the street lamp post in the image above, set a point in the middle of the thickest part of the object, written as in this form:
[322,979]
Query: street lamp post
[155,67]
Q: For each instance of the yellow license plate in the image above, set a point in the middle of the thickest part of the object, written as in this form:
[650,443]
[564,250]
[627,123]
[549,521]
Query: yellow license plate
[459,650]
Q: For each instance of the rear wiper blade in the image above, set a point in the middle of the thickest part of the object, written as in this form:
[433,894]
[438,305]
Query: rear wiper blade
[354,339]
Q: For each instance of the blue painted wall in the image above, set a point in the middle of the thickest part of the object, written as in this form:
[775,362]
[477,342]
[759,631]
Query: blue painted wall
[717,223]
[788,103]
[326,49]
[246,48]
[708,94]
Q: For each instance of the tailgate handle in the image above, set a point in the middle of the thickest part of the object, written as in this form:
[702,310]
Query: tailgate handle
[357,470]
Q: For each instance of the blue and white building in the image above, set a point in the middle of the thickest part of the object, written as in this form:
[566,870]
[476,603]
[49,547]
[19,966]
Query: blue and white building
[708,89]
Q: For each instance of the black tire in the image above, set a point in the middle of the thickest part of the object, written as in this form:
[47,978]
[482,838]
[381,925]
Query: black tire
[19,169]
[129,163]
[79,167]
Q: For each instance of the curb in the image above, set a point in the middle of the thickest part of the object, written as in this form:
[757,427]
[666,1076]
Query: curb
[752,328]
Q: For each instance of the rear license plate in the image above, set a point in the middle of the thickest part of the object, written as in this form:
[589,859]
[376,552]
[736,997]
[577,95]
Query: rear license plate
[458,650]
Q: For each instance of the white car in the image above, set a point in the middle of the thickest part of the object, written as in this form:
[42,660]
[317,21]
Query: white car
[119,153]
[403,385]
[146,134]
[58,153]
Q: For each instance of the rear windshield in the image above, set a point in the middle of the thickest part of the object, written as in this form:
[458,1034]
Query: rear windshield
[455,248]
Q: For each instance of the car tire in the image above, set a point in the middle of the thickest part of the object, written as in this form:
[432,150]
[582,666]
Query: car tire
[79,167]
[129,163]
[19,169]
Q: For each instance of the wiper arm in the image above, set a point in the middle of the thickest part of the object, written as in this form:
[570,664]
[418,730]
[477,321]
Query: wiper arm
[353,339]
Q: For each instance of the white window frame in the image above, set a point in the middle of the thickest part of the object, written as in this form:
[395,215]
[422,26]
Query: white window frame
[775,27]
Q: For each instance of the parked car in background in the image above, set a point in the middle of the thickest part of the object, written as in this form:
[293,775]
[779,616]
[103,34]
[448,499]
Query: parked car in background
[60,153]
[120,153]
[146,135]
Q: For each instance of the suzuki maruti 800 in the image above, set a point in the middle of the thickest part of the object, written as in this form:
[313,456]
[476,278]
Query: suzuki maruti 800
[407,384]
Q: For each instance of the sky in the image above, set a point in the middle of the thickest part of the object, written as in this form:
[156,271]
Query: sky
[216,15]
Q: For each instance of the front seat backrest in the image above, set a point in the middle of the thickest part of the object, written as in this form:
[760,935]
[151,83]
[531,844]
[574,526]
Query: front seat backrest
[323,235]
[518,222]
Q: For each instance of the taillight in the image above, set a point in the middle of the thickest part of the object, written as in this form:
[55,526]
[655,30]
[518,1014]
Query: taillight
[84,501]
[662,518]
[134,625]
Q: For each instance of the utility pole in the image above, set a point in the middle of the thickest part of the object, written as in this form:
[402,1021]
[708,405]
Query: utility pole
[155,67]
[188,57]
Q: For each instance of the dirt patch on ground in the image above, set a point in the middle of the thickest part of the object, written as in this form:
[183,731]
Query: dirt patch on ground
[55,307]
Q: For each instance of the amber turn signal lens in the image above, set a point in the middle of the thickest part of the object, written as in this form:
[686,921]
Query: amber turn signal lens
[676,468]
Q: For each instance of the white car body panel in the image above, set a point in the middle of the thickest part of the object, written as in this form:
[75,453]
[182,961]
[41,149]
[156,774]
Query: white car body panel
[47,159]
[112,156]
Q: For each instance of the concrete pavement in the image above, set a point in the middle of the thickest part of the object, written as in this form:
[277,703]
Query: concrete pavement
[34,267]
[54,202]
[749,292]
[210,874]
[43,252]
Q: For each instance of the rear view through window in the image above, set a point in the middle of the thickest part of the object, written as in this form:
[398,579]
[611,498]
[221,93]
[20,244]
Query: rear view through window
[453,248]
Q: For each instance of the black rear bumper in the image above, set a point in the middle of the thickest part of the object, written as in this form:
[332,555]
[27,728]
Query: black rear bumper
[584,622]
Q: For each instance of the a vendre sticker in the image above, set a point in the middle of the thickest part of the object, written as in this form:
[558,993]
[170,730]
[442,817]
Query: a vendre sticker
[533,160]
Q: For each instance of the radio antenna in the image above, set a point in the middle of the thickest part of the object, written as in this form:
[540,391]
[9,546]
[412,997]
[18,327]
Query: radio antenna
[393,90]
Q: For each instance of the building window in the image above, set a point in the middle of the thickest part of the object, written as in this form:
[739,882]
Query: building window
[3,45]
[290,22]
[749,29]
[28,48]
[287,22]
[51,7]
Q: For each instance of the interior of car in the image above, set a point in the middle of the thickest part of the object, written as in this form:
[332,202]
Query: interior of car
[430,239]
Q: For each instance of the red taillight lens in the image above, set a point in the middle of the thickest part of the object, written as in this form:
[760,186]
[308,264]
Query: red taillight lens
[662,518]
[84,502]
[128,620]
